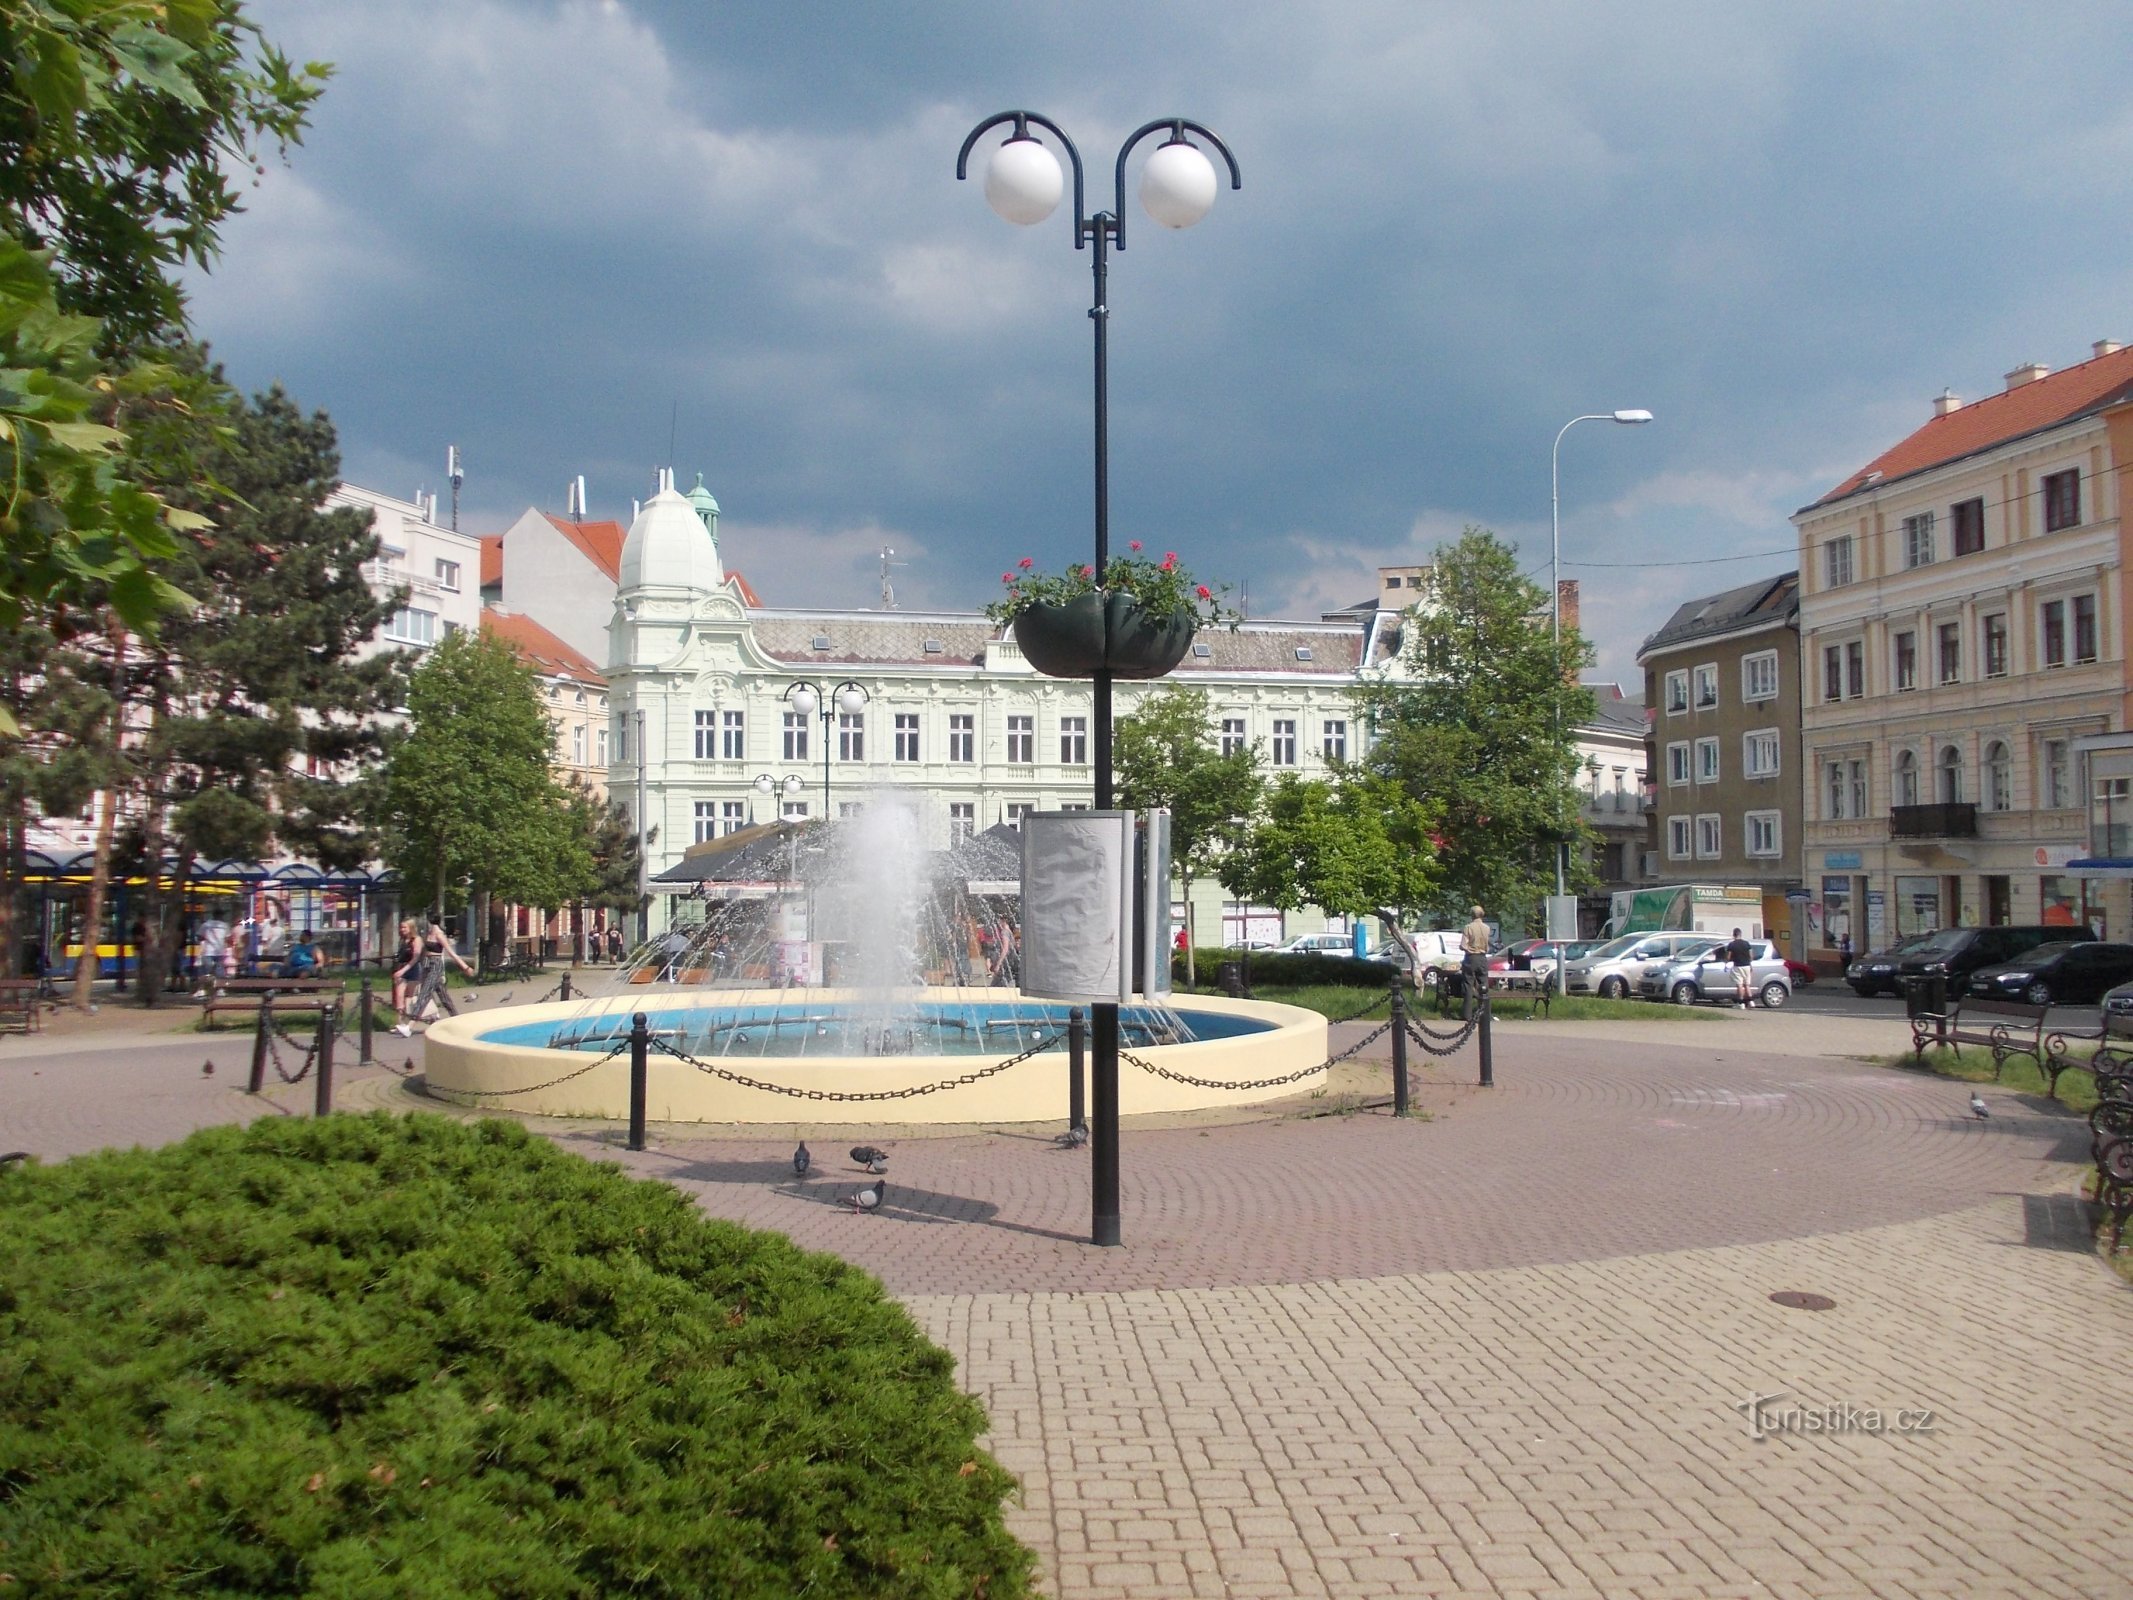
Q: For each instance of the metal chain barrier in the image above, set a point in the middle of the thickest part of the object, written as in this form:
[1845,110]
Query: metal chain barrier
[1442,1044]
[275,1035]
[533,1088]
[746,1082]
[1297,1076]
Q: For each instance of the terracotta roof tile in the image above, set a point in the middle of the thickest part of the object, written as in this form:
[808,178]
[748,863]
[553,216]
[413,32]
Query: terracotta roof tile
[492,559]
[539,648]
[601,542]
[2045,403]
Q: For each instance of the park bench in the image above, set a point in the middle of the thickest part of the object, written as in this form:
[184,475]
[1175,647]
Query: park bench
[248,995]
[1535,988]
[20,1003]
[2005,1027]
[2109,1058]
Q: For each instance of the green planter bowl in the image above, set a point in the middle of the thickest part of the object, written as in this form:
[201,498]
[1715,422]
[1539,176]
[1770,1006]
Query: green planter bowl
[1095,633]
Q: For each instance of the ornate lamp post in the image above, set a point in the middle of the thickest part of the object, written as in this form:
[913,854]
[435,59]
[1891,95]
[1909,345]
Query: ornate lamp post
[770,783]
[1023,183]
[806,697]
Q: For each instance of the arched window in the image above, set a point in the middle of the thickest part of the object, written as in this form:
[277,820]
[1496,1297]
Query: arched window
[1999,777]
[1906,778]
[1951,776]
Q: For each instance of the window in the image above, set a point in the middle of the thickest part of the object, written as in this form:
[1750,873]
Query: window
[850,808]
[1858,777]
[795,736]
[851,736]
[706,820]
[1706,686]
[907,735]
[1677,764]
[1833,810]
[706,734]
[622,740]
[733,735]
[2062,500]
[2084,627]
[1677,838]
[1759,753]
[1949,789]
[1906,660]
[1837,562]
[1710,836]
[1333,743]
[1232,735]
[1017,810]
[1949,651]
[1764,833]
[1284,741]
[1999,777]
[1918,540]
[1073,741]
[1996,645]
[792,811]
[1906,790]
[732,816]
[934,647]
[2055,633]
[1759,676]
[2058,795]
[1854,669]
[577,745]
[1832,673]
[1966,525]
[962,820]
[963,736]
[1706,760]
[1022,741]
[448,575]
[1677,693]
[602,757]
[409,626]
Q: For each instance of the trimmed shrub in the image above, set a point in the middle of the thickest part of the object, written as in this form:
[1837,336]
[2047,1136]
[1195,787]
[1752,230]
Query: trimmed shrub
[1289,970]
[390,1357]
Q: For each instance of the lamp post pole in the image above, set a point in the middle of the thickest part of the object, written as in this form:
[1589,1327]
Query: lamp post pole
[805,696]
[644,888]
[1023,184]
[1555,610]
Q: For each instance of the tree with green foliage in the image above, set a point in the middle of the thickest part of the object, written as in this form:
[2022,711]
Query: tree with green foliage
[1165,754]
[1481,725]
[475,810]
[1357,845]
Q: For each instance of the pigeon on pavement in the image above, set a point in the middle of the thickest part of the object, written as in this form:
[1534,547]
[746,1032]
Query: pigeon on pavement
[1075,1137]
[801,1160]
[869,1198]
[1978,1108]
[207,1069]
[875,1160]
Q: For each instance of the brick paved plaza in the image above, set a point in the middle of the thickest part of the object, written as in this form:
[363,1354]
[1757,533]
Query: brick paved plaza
[1504,1351]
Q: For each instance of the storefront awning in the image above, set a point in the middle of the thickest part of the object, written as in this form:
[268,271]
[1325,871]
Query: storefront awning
[2101,867]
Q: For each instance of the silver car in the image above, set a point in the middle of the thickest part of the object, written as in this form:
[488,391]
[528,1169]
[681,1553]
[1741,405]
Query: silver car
[1707,975]
[1616,968]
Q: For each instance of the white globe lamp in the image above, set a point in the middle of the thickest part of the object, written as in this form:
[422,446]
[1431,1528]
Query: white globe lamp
[804,701]
[1023,182]
[853,699]
[1178,185]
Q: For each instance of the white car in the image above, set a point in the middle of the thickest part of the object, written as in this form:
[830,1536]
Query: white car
[1436,950]
[1319,944]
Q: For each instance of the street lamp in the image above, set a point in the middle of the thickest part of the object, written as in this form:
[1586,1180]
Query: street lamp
[1555,602]
[1024,185]
[769,783]
[806,697]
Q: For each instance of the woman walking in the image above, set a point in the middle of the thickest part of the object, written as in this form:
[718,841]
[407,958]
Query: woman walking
[407,964]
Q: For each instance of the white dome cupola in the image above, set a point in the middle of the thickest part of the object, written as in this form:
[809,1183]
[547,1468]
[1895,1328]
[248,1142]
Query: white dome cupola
[669,546]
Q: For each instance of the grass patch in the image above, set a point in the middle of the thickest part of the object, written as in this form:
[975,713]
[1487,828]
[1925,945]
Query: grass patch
[2077,1090]
[385,1356]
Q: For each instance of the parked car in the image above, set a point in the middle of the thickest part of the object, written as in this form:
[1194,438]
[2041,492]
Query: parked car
[1798,972]
[1875,973]
[2118,1002]
[1318,944]
[1707,975]
[1956,953]
[1615,969]
[2073,972]
[1438,950]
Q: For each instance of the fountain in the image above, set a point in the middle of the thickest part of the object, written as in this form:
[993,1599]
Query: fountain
[845,959]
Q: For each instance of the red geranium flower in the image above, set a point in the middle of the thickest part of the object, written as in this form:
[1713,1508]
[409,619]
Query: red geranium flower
[1007,577]
[1204,592]
[1133,544]
[1025,563]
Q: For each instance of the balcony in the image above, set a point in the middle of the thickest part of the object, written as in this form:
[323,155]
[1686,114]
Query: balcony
[1933,822]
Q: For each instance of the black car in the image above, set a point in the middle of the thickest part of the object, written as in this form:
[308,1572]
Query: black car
[1875,973]
[1956,953]
[2072,972]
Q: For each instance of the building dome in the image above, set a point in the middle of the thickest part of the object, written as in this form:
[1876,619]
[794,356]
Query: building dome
[668,547]
[706,507]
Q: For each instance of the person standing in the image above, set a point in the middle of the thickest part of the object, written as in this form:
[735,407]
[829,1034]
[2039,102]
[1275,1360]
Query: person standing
[1474,958]
[1742,957]
[214,941]
[407,968]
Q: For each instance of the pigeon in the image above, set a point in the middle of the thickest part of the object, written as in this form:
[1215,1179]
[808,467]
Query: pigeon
[1075,1137]
[1978,1109]
[869,1198]
[873,1159]
[801,1160]
[207,1069]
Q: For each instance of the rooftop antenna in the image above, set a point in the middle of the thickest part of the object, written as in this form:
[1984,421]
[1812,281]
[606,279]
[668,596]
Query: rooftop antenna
[454,471]
[888,589]
[576,508]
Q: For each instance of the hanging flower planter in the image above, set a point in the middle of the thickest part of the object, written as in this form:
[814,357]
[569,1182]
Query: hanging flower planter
[1139,624]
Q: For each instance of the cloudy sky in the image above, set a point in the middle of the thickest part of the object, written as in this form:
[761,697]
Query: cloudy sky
[562,233]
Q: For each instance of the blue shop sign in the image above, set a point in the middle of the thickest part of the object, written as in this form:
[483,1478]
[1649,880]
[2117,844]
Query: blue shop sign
[1841,861]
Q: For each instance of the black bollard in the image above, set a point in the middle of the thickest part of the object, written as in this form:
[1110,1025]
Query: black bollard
[1399,1048]
[1077,1046]
[1488,1059]
[365,1023]
[640,1055]
[258,1080]
[563,989]
[328,1017]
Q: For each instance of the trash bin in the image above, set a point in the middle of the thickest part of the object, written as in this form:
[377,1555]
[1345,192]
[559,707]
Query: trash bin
[1925,995]
[1229,977]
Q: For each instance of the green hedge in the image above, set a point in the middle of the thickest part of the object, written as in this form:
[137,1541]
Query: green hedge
[1289,970]
[379,1356]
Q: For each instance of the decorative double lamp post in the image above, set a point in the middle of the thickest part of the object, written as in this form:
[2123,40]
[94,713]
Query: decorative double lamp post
[805,697]
[1024,184]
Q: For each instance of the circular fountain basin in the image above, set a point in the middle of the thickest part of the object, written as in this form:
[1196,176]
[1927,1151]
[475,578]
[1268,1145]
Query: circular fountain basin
[503,1058]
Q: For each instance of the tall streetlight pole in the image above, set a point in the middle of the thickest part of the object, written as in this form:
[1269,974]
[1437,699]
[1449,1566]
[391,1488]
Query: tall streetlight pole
[804,696]
[1023,184]
[644,866]
[1555,601]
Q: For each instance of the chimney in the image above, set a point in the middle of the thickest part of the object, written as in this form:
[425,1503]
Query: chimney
[2106,347]
[2030,372]
[1945,402]
[1566,601]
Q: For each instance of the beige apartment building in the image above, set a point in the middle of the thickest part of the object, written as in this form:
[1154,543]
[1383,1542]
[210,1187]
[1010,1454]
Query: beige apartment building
[1962,634]
[1722,677]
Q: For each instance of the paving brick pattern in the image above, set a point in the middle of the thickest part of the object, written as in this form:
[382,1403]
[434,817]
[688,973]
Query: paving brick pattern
[1501,1352]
